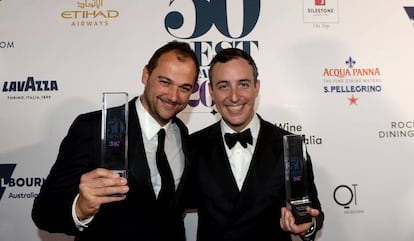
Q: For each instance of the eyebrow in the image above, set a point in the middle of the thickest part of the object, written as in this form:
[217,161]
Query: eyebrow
[170,80]
[164,77]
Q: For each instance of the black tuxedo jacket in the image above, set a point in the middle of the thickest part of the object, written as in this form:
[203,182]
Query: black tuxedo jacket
[138,217]
[253,213]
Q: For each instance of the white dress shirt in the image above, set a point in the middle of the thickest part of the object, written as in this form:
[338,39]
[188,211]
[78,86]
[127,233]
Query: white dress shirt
[240,157]
[173,146]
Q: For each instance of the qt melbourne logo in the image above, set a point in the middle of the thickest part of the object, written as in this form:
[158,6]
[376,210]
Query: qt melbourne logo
[346,197]
[6,171]
[196,20]
[352,80]
[410,13]
[17,184]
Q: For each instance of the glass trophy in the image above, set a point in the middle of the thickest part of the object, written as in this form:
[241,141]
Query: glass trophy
[297,199]
[114,135]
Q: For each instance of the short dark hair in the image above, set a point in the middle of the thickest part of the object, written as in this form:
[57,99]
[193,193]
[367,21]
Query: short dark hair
[183,50]
[228,54]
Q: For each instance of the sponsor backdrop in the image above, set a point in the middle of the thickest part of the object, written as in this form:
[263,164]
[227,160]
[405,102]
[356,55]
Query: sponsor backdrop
[339,72]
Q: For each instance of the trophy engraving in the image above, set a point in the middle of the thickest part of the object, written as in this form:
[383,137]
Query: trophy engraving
[297,199]
[114,136]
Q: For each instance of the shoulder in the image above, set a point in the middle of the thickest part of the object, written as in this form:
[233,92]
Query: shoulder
[88,117]
[270,128]
[207,131]
[180,124]
[86,122]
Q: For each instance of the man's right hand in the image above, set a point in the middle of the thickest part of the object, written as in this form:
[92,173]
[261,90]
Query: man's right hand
[96,188]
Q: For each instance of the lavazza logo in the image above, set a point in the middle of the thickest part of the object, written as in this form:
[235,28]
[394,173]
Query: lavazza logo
[178,21]
[352,80]
[30,89]
[17,188]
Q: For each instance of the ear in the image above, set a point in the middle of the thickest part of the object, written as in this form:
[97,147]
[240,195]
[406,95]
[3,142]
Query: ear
[257,87]
[210,90]
[145,75]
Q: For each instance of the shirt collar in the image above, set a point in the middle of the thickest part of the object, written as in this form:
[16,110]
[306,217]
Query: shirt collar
[149,125]
[254,126]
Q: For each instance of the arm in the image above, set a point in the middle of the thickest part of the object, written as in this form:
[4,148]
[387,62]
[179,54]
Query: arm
[79,153]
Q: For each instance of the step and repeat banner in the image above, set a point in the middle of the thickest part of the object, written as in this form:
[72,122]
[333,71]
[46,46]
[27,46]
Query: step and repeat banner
[339,72]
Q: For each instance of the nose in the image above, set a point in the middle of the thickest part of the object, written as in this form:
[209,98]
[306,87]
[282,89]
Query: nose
[234,95]
[173,93]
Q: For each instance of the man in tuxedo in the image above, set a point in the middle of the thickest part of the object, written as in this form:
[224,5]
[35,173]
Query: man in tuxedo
[238,188]
[77,196]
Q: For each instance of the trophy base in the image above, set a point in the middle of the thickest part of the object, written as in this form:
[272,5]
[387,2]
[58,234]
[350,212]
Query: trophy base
[122,173]
[298,209]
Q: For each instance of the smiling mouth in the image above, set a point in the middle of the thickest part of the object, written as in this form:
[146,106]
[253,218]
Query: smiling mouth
[234,108]
[168,103]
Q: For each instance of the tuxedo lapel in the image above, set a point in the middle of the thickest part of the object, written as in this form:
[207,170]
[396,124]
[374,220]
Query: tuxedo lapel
[220,163]
[184,144]
[265,168]
[139,172]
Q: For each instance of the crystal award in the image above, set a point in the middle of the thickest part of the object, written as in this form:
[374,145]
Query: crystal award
[297,199]
[114,135]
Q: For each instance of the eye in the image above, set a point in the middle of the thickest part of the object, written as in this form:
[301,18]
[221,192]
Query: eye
[244,84]
[164,81]
[223,86]
[186,88]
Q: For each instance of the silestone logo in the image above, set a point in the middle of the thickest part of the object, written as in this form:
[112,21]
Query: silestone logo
[211,16]
[320,2]
[89,13]
[352,80]
[320,11]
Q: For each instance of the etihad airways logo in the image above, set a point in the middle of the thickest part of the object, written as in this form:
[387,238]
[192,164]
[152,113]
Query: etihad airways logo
[90,13]
[351,80]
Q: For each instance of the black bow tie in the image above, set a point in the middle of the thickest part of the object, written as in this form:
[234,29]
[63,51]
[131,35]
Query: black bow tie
[242,137]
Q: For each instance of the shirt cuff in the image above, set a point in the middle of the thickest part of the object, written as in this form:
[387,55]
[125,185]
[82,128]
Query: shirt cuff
[310,232]
[81,225]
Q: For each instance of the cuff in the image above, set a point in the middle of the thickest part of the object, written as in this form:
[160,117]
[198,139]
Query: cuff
[309,235]
[81,225]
